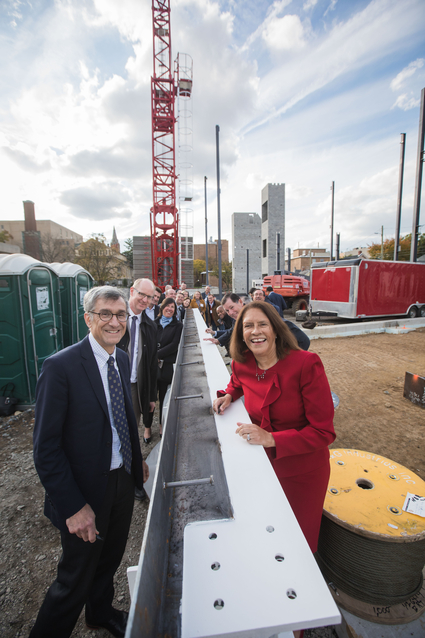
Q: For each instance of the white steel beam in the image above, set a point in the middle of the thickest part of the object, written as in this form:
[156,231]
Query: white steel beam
[252,575]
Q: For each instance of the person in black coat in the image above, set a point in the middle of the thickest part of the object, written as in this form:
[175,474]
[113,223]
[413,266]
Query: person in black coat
[169,333]
[276,299]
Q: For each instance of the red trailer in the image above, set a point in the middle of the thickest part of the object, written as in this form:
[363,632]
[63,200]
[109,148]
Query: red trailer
[358,288]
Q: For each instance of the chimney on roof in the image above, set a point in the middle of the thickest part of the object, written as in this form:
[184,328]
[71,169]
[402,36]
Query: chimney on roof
[31,238]
[29,213]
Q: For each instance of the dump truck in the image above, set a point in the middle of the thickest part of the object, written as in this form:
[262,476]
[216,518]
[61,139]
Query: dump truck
[360,288]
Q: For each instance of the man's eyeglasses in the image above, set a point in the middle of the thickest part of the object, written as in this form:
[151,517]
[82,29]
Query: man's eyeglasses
[106,315]
[142,294]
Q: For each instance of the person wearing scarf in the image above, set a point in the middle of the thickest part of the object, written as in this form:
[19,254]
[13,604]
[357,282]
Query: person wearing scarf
[169,333]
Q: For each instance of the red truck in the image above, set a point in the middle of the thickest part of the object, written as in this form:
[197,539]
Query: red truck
[358,288]
[294,289]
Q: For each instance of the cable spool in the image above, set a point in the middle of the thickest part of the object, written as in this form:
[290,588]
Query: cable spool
[370,551]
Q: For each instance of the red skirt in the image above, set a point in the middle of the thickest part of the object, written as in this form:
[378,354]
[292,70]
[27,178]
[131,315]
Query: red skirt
[306,494]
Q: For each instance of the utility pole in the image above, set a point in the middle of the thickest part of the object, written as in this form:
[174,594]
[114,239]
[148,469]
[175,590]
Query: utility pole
[277,251]
[206,233]
[382,242]
[220,278]
[247,271]
[399,197]
[418,184]
[332,219]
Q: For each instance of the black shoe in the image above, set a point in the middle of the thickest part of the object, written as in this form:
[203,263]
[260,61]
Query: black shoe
[147,441]
[140,495]
[115,625]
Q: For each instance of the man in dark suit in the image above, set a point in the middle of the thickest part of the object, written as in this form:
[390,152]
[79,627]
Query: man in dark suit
[180,314]
[153,307]
[276,299]
[87,455]
[260,296]
[142,352]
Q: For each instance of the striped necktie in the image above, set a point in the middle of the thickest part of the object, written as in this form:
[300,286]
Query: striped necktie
[118,411]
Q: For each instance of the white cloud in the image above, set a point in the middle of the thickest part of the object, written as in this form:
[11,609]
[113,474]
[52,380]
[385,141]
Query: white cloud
[406,102]
[285,33]
[365,38]
[309,4]
[272,13]
[407,72]
[98,202]
[331,7]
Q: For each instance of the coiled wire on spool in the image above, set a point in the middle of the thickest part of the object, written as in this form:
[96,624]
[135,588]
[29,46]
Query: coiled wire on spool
[369,549]
[374,571]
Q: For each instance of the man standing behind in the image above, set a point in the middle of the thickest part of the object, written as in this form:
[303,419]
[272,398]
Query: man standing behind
[211,311]
[180,308]
[206,292]
[276,299]
[153,308]
[140,342]
[87,455]
[260,296]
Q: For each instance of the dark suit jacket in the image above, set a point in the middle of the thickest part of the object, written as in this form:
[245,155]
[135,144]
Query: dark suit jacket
[181,312]
[168,345]
[72,431]
[147,363]
[278,300]
[300,335]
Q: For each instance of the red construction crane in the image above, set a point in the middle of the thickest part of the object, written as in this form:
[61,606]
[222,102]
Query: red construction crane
[164,214]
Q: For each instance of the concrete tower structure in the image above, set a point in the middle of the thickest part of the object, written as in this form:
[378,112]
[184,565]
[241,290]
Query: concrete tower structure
[246,233]
[272,222]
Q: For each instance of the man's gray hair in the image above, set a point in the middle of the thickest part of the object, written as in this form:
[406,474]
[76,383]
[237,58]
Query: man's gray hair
[102,292]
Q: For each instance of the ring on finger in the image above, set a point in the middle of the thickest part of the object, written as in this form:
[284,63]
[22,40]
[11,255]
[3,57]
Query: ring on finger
[248,438]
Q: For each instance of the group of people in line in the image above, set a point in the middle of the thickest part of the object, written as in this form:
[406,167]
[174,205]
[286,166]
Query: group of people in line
[90,400]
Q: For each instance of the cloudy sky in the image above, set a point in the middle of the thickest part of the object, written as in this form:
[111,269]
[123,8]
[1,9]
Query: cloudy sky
[305,92]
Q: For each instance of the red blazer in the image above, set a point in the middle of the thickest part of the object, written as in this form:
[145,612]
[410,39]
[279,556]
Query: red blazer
[294,403]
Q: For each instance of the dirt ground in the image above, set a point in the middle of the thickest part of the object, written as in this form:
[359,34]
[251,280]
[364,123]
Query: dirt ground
[367,374]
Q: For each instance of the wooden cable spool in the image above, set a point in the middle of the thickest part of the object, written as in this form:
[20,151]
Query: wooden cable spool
[370,551]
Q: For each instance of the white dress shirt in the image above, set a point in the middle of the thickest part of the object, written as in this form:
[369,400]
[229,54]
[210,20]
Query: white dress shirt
[102,357]
[133,375]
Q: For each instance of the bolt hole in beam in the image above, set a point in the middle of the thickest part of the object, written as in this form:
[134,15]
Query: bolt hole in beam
[247,544]
[218,604]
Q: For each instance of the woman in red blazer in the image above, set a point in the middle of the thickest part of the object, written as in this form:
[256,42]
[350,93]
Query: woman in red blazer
[289,402]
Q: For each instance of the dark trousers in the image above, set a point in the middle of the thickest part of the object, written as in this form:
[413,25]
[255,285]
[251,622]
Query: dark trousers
[86,570]
[162,391]
[135,402]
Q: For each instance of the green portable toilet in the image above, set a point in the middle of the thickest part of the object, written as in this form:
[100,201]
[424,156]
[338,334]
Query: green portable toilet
[74,281]
[30,322]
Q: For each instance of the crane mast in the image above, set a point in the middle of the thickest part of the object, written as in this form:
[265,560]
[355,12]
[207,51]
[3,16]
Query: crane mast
[164,217]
